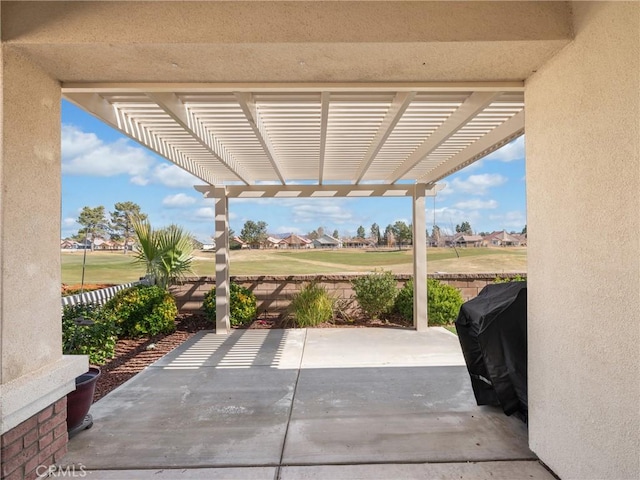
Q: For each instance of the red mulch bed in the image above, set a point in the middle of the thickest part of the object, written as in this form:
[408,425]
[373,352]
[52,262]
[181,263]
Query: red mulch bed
[134,355]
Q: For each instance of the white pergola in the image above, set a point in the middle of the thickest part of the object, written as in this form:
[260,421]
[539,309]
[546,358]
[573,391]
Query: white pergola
[313,140]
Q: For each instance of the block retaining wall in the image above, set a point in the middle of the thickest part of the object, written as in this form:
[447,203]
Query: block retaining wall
[274,291]
[29,449]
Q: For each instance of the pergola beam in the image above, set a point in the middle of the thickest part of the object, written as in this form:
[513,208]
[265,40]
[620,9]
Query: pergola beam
[173,106]
[496,138]
[324,122]
[318,191]
[250,111]
[103,110]
[396,110]
[475,103]
[420,87]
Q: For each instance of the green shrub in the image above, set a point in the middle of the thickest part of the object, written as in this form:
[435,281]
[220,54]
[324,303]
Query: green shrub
[443,302]
[243,307]
[515,278]
[375,293]
[143,310]
[404,302]
[311,306]
[88,329]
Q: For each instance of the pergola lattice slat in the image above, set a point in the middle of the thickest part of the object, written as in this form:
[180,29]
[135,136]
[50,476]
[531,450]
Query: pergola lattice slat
[313,133]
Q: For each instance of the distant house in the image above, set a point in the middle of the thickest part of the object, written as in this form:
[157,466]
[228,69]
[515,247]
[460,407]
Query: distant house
[327,241]
[465,240]
[236,243]
[295,241]
[102,244]
[521,237]
[502,239]
[357,243]
[273,242]
[208,246]
[68,244]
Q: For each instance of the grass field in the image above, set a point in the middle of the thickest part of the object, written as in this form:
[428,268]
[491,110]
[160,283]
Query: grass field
[112,267]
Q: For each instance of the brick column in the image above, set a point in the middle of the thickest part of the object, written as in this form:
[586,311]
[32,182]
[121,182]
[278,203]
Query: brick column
[37,443]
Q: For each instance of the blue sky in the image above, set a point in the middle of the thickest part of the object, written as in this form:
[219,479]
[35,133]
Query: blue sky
[100,166]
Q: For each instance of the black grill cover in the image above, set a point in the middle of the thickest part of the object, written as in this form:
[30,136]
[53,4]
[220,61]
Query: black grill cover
[492,329]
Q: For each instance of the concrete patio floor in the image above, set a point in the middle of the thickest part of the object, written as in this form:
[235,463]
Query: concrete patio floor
[304,404]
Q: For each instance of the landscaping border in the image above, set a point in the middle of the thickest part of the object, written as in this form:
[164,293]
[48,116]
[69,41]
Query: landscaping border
[273,292]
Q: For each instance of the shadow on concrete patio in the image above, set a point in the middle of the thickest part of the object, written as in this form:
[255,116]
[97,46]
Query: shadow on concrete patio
[288,404]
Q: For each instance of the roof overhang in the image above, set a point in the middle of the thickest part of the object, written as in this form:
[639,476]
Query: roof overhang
[312,134]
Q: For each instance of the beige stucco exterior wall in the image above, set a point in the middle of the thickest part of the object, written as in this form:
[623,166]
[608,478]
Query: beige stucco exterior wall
[33,371]
[30,217]
[583,172]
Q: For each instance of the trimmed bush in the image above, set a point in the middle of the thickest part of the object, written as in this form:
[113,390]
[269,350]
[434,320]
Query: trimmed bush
[243,308]
[143,310]
[515,278]
[375,293]
[404,302]
[311,306]
[88,329]
[443,302]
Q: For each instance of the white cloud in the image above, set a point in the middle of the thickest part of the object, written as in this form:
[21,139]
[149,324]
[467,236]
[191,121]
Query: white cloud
[510,152]
[205,213]
[69,222]
[448,217]
[178,200]
[479,184]
[447,190]
[209,214]
[321,211]
[476,204]
[317,210]
[85,154]
[513,220]
[173,176]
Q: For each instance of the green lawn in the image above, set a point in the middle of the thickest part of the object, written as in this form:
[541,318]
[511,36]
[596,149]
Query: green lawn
[112,267]
[354,257]
[101,267]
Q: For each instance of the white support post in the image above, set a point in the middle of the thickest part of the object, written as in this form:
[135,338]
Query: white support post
[223,292]
[419,259]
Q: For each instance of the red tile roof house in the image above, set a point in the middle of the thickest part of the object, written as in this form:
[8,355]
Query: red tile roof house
[296,242]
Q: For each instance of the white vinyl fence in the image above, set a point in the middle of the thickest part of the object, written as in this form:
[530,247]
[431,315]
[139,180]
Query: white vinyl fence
[99,297]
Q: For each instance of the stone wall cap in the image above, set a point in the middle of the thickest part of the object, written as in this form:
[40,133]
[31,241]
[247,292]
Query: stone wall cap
[350,276]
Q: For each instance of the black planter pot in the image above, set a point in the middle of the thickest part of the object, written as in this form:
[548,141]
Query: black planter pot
[79,401]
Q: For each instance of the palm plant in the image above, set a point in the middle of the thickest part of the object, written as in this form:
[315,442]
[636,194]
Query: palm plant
[167,253]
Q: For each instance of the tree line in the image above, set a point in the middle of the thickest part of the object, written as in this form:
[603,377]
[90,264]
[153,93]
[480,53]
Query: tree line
[118,225]
[400,233]
[255,233]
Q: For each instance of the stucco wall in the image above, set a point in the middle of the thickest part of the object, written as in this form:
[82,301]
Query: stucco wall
[33,371]
[30,218]
[583,215]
